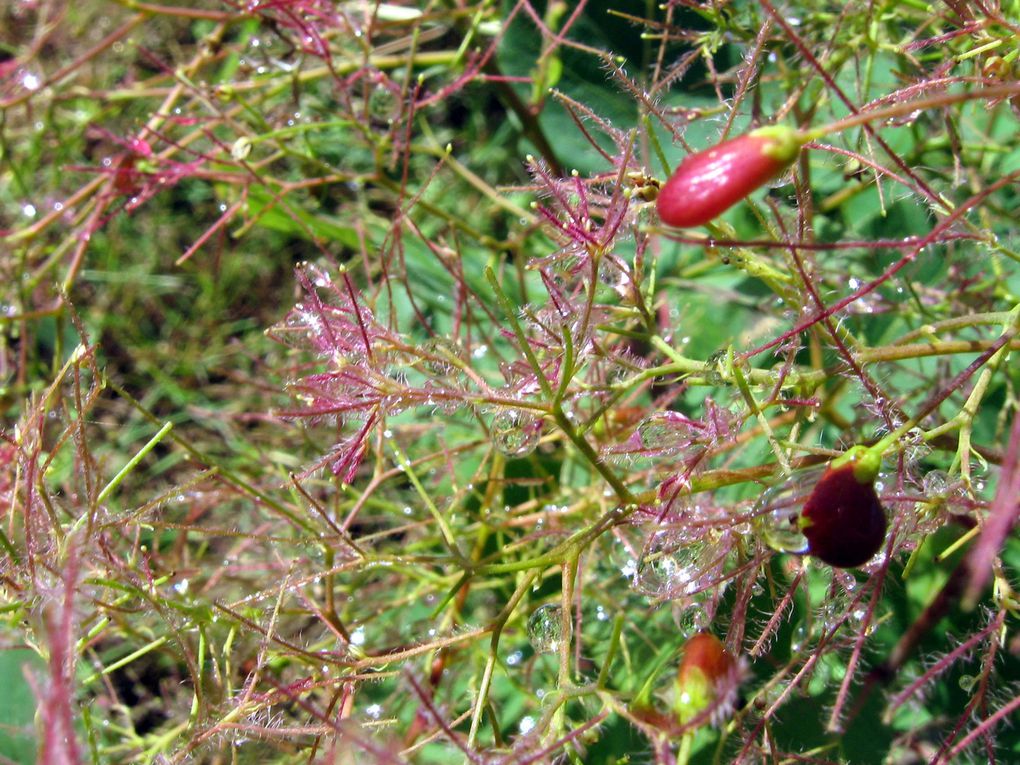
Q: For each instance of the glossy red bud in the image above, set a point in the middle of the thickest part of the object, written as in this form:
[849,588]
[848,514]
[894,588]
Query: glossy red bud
[709,182]
[842,519]
[704,653]
[708,675]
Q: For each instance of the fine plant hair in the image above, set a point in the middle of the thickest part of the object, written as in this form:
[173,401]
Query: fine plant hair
[360,408]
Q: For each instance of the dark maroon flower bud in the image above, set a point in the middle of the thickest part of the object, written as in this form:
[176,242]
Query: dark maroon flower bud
[842,518]
[832,513]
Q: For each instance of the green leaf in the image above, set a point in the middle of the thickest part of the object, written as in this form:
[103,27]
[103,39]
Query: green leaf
[17,705]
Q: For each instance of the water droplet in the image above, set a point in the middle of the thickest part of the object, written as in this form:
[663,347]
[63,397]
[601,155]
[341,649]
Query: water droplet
[515,432]
[694,615]
[613,276]
[778,509]
[30,81]
[442,356]
[967,682]
[657,433]
[800,638]
[666,432]
[545,628]
[383,103]
[670,566]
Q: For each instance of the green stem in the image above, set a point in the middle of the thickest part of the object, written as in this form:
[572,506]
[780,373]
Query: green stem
[947,99]
[448,537]
[683,756]
[558,414]
[745,390]
[614,643]
[622,492]
[566,620]
[132,463]
[490,663]
[511,315]
[868,459]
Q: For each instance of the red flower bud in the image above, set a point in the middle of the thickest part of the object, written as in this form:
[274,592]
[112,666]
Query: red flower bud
[709,182]
[708,677]
[842,518]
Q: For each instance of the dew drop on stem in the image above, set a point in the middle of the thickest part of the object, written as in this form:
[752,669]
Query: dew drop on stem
[516,433]
[800,637]
[778,509]
[693,616]
[443,358]
[670,566]
[545,628]
[657,433]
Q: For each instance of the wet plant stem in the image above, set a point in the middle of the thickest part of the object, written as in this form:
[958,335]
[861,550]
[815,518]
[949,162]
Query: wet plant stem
[752,403]
[622,492]
[565,677]
[558,414]
[805,382]
[510,311]
[125,471]
[448,536]
[683,755]
[900,110]
[614,645]
[992,357]
[481,700]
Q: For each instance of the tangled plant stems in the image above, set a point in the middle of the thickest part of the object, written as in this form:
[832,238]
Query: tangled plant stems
[367,397]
